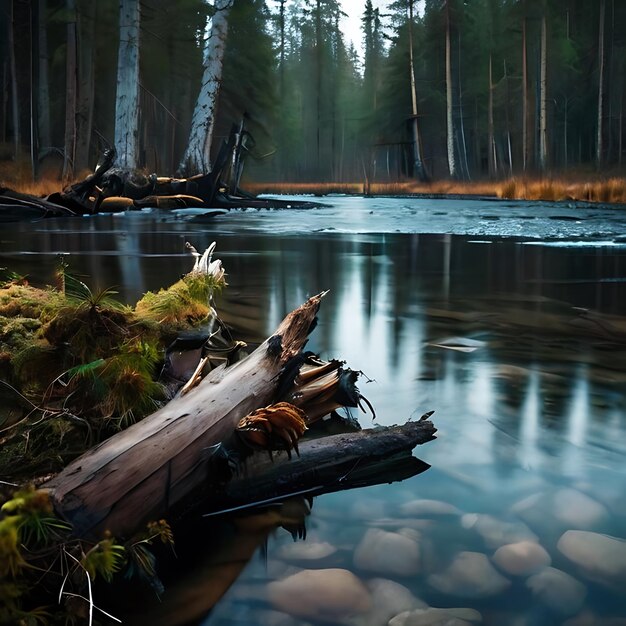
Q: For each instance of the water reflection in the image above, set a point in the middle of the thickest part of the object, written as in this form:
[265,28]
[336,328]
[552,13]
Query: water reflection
[533,401]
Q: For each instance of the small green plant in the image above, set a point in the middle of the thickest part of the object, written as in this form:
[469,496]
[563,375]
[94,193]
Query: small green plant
[104,559]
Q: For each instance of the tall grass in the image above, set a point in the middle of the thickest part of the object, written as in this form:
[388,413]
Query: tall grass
[582,186]
[609,191]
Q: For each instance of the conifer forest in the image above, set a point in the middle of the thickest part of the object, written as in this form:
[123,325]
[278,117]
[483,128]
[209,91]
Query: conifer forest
[463,89]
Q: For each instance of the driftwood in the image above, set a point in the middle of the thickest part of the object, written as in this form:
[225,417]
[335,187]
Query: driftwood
[112,190]
[151,468]
[166,464]
[328,464]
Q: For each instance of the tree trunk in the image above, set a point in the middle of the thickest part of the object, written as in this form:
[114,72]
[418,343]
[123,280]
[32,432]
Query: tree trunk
[86,39]
[127,95]
[449,104]
[154,466]
[543,99]
[34,83]
[197,157]
[43,92]
[599,139]
[463,143]
[15,110]
[71,87]
[418,160]
[491,157]
[165,465]
[525,107]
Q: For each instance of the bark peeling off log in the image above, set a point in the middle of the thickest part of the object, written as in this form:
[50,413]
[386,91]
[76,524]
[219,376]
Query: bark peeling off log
[142,473]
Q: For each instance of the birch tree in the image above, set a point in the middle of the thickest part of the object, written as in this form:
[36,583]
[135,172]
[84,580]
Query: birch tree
[418,160]
[127,94]
[449,103]
[197,157]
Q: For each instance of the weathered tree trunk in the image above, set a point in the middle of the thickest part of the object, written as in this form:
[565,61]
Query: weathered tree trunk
[197,157]
[151,468]
[127,95]
[599,139]
[418,158]
[329,464]
[449,104]
[166,464]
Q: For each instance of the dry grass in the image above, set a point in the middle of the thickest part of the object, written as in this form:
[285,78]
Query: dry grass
[378,189]
[609,191]
[581,185]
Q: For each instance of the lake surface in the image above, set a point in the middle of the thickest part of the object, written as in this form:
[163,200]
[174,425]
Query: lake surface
[507,319]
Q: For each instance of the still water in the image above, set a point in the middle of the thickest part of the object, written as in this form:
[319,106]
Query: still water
[508,320]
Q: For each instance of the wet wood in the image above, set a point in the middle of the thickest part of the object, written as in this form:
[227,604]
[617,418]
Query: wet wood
[328,464]
[155,466]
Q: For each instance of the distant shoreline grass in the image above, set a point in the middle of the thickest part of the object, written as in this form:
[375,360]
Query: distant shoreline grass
[572,186]
[609,191]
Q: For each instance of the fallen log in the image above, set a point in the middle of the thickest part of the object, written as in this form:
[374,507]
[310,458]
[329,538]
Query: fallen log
[180,457]
[327,464]
[152,468]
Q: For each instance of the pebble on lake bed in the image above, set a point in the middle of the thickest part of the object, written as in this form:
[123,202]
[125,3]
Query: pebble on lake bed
[389,553]
[600,558]
[428,508]
[325,595]
[470,575]
[521,559]
[309,551]
[569,508]
[559,591]
[496,532]
[437,617]
[388,598]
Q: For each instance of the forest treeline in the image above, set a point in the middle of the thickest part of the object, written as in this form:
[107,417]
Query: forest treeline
[463,89]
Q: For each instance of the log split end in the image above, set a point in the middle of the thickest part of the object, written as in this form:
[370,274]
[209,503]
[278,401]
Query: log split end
[294,330]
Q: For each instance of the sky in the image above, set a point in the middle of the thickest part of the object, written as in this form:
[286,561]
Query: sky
[352,24]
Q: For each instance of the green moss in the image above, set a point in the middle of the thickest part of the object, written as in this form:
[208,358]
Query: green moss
[184,303]
[19,300]
[90,361]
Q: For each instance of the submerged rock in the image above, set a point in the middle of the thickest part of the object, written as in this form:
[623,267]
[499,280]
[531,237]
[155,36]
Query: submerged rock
[388,598]
[600,558]
[557,590]
[470,575]
[309,551]
[496,532]
[577,510]
[569,508]
[437,617]
[390,553]
[522,558]
[326,595]
[587,618]
[428,508]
